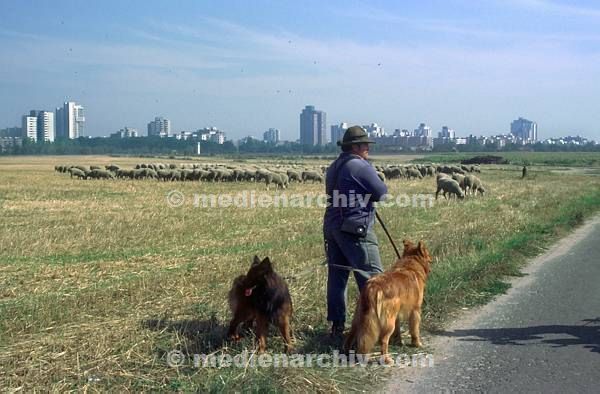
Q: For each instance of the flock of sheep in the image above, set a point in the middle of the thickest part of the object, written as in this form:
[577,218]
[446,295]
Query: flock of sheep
[279,177]
[451,180]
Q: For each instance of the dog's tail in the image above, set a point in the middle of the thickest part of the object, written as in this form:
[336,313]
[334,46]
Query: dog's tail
[371,308]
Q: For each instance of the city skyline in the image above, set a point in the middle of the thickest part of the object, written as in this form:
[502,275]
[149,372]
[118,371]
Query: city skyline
[246,68]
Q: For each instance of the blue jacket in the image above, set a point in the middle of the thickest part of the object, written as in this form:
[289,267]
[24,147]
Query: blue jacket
[359,182]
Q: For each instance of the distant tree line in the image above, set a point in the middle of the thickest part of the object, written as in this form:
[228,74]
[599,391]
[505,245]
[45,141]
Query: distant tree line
[248,146]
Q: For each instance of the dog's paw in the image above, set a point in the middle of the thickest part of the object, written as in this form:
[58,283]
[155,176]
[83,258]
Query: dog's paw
[416,343]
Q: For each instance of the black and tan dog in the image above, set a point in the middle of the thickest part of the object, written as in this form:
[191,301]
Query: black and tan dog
[261,296]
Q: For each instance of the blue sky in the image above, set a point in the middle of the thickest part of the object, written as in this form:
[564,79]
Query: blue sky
[246,66]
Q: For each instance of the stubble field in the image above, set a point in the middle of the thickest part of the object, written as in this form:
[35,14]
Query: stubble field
[100,279]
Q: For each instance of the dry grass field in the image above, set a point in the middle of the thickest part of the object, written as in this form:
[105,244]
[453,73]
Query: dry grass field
[99,279]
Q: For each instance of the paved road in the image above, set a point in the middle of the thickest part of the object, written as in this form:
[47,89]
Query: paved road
[543,336]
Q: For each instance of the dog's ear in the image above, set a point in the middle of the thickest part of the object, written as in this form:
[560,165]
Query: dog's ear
[267,263]
[408,245]
[256,261]
[422,249]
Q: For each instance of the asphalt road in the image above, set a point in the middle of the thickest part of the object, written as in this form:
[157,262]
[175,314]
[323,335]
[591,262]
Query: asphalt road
[543,336]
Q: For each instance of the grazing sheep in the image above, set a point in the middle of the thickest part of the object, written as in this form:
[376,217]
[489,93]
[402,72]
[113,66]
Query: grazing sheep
[95,168]
[413,173]
[249,175]
[175,175]
[312,176]
[381,176]
[100,174]
[112,167]
[279,180]
[449,186]
[186,175]
[202,175]
[456,169]
[123,173]
[393,172]
[164,175]
[261,175]
[82,168]
[460,179]
[76,172]
[442,175]
[294,176]
[478,187]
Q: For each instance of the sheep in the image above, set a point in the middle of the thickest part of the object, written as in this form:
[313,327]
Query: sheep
[442,175]
[294,176]
[279,180]
[123,173]
[112,167]
[449,186]
[381,176]
[76,172]
[413,173]
[261,175]
[175,175]
[100,174]
[393,172]
[460,179]
[95,168]
[164,175]
[477,187]
[82,168]
[312,175]
[186,175]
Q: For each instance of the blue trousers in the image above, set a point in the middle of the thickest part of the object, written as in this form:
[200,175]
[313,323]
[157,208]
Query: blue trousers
[347,250]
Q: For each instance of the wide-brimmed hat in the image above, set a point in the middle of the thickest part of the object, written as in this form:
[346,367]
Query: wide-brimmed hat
[355,135]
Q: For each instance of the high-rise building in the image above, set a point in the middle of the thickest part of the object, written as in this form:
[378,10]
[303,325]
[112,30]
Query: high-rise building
[38,126]
[159,127]
[423,131]
[525,130]
[374,130]
[29,127]
[45,125]
[447,133]
[313,126]
[70,120]
[271,136]
[337,132]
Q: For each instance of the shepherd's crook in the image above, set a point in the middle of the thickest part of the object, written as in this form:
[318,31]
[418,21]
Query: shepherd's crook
[387,233]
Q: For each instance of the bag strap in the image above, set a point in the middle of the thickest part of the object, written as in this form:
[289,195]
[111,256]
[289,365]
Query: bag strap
[335,186]
[338,167]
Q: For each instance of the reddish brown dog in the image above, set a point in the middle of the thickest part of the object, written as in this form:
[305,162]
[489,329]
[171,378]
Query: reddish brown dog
[262,296]
[394,295]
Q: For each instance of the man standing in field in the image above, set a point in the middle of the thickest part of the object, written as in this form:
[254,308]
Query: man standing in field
[352,185]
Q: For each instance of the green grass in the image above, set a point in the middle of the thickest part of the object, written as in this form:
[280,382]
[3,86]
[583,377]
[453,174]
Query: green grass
[571,159]
[100,279]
